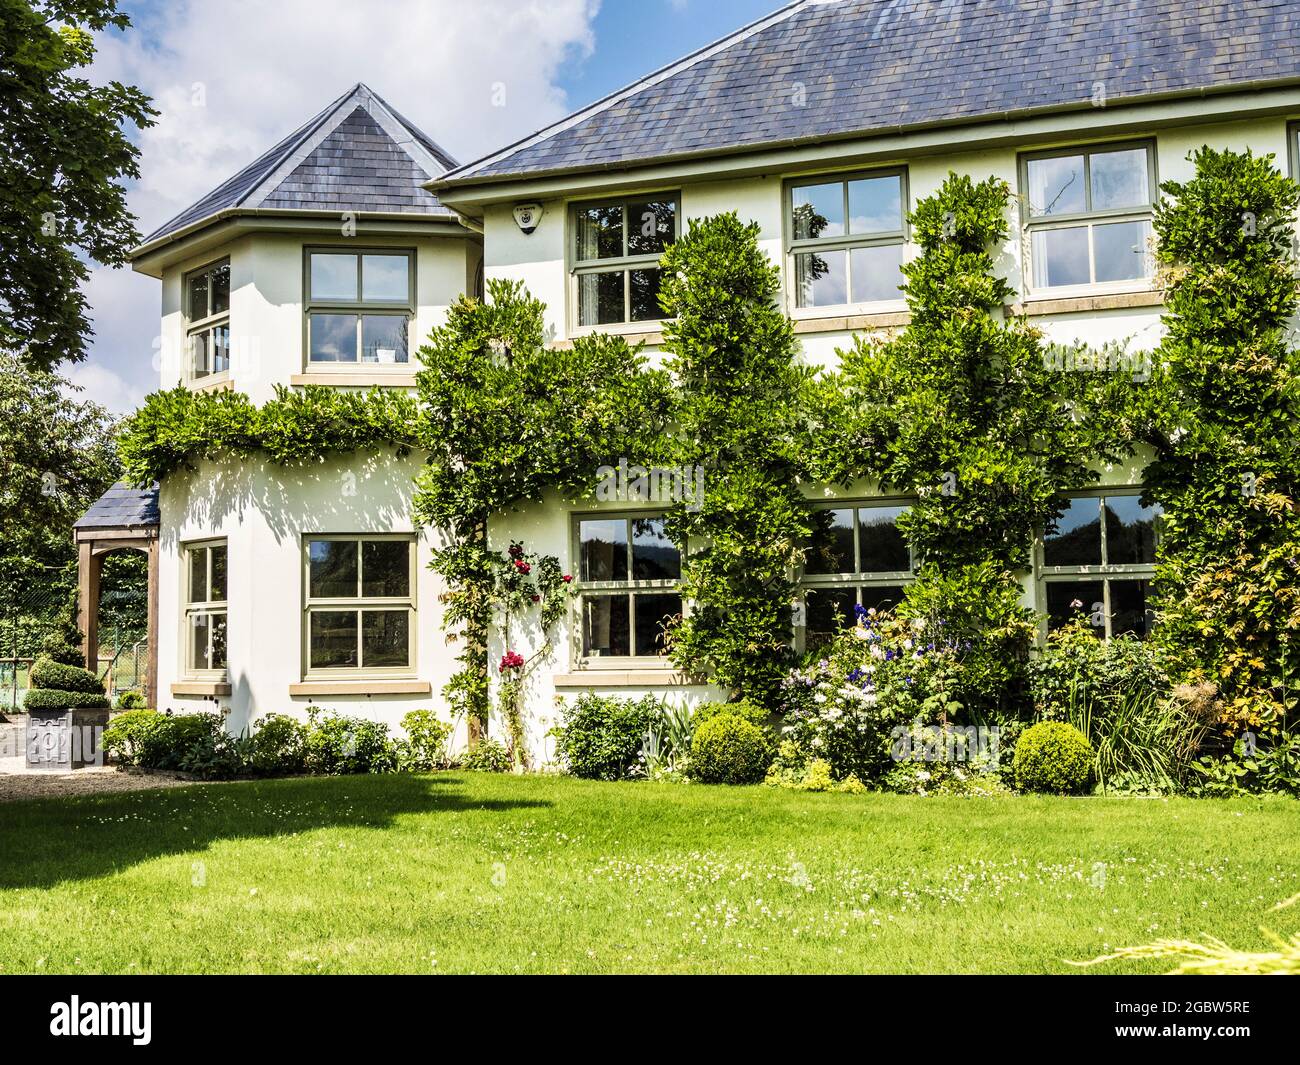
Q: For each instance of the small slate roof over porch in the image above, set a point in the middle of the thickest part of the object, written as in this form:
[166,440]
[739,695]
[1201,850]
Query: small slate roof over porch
[122,507]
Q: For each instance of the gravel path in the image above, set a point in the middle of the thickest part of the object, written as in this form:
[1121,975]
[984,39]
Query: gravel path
[92,781]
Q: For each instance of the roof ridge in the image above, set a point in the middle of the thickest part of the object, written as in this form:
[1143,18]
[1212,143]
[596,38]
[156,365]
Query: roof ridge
[644,82]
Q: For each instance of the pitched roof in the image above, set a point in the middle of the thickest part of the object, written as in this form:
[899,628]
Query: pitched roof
[356,155]
[827,68]
[121,507]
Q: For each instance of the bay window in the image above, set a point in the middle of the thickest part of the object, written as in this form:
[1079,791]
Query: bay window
[359,307]
[360,604]
[846,239]
[207,317]
[629,586]
[1088,215]
[617,246]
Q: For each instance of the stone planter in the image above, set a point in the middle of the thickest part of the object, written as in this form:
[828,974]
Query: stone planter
[62,740]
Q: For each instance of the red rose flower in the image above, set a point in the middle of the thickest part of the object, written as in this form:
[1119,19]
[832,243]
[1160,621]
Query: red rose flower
[568,578]
[523,567]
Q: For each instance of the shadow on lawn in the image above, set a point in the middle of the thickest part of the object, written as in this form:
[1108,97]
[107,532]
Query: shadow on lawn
[48,841]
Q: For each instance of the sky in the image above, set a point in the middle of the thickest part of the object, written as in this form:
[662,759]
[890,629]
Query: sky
[232,77]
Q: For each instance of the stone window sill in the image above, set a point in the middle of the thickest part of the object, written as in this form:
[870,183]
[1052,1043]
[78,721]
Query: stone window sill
[201,687]
[361,687]
[1040,306]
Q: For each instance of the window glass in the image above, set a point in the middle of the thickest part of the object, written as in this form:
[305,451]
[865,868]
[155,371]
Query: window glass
[332,566]
[1076,540]
[876,204]
[653,614]
[820,278]
[218,554]
[650,226]
[1119,250]
[603,548]
[385,638]
[881,546]
[600,232]
[383,338]
[1119,179]
[385,569]
[333,276]
[828,611]
[198,296]
[385,277]
[198,575]
[1056,186]
[1130,531]
[1066,600]
[605,625]
[332,639]
[600,298]
[881,596]
[644,294]
[877,272]
[818,210]
[654,556]
[1128,607]
[832,543]
[333,338]
[221,288]
[1060,256]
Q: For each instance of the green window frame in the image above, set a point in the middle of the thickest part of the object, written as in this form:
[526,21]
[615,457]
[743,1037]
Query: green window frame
[614,252]
[205,579]
[866,562]
[845,238]
[627,586]
[359,604]
[206,296]
[1106,577]
[354,316]
[1080,239]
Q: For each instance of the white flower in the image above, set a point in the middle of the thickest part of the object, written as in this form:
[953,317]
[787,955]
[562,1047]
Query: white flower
[918,624]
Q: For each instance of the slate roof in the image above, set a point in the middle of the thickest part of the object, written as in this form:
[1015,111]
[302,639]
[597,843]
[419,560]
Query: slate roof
[358,154]
[121,507]
[828,69]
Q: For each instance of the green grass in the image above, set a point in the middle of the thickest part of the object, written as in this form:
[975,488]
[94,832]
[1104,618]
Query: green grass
[465,872]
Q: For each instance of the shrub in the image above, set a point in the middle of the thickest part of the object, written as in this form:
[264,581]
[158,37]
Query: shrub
[130,737]
[339,745]
[486,756]
[1054,757]
[202,746]
[60,647]
[792,771]
[46,673]
[130,700]
[424,748]
[603,738]
[727,749]
[746,708]
[278,745]
[55,699]
[1076,669]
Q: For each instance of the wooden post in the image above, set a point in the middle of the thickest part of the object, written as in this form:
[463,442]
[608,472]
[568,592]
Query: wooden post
[88,565]
[151,664]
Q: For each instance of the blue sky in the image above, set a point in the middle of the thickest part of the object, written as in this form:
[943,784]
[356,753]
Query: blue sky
[231,77]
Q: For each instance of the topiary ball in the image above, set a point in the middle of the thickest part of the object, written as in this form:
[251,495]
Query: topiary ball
[1053,757]
[727,749]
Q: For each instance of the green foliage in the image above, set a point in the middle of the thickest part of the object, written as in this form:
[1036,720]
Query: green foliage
[727,749]
[67,150]
[46,673]
[668,741]
[278,746]
[129,737]
[189,743]
[506,418]
[425,746]
[795,772]
[54,699]
[1076,668]
[1221,414]
[178,427]
[604,738]
[486,756]
[338,745]
[130,700]
[733,355]
[749,710]
[1252,766]
[1053,757]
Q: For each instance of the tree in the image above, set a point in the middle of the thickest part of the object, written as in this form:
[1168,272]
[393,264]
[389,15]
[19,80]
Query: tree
[56,458]
[65,152]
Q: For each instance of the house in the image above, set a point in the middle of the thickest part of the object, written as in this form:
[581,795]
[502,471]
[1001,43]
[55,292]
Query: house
[825,123]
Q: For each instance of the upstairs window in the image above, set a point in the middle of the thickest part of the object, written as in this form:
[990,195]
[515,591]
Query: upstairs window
[359,307]
[846,239]
[1088,215]
[617,246]
[857,557]
[629,585]
[360,604]
[1098,562]
[205,608]
[207,314]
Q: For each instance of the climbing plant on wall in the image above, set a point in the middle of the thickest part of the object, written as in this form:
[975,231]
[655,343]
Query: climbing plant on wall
[1223,414]
[505,418]
[965,411]
[733,356]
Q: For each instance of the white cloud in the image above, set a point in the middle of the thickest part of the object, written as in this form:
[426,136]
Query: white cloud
[231,79]
[93,381]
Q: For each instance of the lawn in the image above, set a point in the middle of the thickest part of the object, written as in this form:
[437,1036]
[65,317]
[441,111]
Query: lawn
[465,872]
